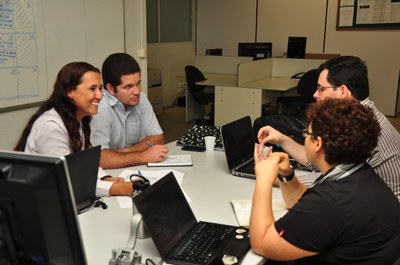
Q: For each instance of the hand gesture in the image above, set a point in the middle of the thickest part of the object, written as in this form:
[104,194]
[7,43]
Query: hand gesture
[156,153]
[269,135]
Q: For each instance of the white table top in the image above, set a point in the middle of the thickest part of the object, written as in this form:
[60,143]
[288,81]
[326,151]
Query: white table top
[215,79]
[273,84]
[279,84]
[209,186]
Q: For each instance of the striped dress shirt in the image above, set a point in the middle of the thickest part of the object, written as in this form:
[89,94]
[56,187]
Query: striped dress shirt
[115,127]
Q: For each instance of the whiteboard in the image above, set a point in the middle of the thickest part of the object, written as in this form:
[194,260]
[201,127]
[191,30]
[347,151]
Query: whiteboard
[38,37]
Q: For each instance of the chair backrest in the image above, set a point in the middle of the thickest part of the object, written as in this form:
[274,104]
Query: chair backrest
[308,84]
[193,75]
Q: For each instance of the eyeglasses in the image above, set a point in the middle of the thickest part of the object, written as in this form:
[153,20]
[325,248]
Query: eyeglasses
[306,133]
[322,88]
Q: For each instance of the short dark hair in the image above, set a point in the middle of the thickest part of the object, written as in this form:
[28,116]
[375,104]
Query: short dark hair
[117,65]
[350,71]
[349,130]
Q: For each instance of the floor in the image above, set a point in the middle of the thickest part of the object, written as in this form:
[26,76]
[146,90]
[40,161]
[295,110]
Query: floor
[172,121]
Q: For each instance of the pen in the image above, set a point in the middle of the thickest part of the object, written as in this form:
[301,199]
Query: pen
[149,144]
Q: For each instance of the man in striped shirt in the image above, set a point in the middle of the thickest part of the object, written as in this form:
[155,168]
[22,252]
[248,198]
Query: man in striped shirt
[125,125]
[347,77]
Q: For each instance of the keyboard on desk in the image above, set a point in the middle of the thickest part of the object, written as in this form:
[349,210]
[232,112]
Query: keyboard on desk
[203,244]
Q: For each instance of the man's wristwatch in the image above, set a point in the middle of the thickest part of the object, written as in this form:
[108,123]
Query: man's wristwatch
[288,177]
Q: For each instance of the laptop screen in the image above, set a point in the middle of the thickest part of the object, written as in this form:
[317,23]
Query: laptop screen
[83,167]
[238,138]
[166,213]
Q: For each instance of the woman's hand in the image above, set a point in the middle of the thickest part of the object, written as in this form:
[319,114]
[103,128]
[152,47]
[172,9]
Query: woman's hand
[269,165]
[260,153]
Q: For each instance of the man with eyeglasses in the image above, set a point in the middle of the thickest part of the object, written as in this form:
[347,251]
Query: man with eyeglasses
[126,126]
[346,77]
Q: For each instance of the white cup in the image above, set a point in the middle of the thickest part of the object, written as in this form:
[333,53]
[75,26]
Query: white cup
[210,143]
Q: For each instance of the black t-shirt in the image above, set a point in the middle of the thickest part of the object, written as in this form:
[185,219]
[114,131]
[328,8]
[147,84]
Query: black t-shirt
[354,220]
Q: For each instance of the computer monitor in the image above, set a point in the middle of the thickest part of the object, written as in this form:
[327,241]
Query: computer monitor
[215,51]
[257,50]
[38,218]
[296,47]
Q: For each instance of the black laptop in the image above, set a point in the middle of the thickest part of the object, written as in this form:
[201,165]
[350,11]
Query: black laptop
[83,167]
[176,232]
[238,140]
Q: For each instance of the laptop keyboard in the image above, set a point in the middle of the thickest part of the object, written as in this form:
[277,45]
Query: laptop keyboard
[202,244]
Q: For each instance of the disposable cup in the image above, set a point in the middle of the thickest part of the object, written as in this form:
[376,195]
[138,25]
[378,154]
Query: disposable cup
[210,143]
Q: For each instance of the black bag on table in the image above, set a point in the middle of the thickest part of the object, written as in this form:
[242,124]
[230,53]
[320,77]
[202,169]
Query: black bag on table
[286,124]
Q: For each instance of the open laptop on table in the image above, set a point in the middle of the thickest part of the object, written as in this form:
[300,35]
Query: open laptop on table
[83,167]
[176,232]
[238,140]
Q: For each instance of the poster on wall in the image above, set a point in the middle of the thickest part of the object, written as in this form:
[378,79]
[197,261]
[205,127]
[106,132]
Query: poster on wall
[368,14]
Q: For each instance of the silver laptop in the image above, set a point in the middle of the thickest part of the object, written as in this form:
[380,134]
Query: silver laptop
[177,234]
[238,140]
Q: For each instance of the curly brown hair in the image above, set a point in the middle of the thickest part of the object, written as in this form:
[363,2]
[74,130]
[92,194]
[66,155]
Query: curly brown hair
[349,130]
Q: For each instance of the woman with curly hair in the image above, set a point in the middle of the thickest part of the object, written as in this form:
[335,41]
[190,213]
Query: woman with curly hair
[349,215]
[62,124]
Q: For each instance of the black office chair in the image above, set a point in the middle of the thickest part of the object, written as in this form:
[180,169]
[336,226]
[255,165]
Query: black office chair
[306,88]
[202,94]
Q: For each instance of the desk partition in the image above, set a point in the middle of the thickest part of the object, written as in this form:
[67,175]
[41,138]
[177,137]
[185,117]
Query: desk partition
[220,70]
[259,82]
[251,71]
[286,67]
[220,64]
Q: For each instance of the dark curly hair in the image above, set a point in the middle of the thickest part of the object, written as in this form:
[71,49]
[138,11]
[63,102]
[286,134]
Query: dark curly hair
[349,130]
[115,66]
[68,78]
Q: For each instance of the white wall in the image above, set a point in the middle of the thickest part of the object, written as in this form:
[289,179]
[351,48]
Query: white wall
[135,35]
[171,59]
[279,19]
[11,125]
[224,23]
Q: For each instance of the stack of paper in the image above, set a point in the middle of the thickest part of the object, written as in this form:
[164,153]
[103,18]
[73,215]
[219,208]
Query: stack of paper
[174,161]
[242,210]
